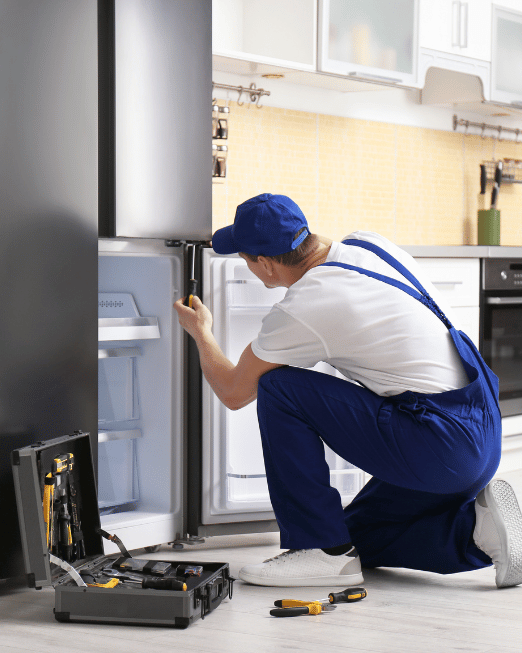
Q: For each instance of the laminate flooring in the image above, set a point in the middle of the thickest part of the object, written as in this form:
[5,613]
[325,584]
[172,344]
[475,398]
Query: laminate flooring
[405,611]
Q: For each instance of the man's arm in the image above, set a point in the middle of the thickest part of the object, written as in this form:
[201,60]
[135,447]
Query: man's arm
[234,385]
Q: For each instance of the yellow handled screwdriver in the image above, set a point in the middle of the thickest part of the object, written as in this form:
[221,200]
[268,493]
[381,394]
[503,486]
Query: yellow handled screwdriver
[192,284]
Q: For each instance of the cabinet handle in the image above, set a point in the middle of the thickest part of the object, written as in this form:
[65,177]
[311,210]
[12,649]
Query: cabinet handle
[464,8]
[447,283]
[455,24]
[504,300]
[374,78]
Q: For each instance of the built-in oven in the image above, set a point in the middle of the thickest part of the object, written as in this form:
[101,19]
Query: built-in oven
[501,329]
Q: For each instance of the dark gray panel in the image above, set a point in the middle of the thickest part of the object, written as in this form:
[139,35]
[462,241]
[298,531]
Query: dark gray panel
[163,119]
[48,217]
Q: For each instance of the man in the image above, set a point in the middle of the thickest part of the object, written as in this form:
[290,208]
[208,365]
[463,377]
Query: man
[418,409]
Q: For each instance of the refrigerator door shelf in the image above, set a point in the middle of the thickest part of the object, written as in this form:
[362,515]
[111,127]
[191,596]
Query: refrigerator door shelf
[118,398]
[108,436]
[123,328]
[118,487]
[119,352]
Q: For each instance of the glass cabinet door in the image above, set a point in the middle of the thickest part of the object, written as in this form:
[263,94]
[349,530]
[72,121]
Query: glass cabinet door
[372,39]
[506,58]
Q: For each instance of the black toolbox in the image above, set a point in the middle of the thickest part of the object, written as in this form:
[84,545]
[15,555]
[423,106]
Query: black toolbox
[75,599]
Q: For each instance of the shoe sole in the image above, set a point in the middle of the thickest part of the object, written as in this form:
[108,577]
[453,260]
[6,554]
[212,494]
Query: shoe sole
[327,581]
[502,501]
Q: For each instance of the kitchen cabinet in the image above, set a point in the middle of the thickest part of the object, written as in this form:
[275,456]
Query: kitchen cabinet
[279,32]
[456,27]
[458,283]
[506,63]
[372,39]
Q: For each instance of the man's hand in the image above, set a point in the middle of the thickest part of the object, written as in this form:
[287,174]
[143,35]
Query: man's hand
[196,321]
[235,385]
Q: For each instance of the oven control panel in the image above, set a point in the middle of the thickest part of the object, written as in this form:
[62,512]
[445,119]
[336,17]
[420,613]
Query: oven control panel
[502,274]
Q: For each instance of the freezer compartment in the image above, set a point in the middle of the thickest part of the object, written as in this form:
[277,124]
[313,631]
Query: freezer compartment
[234,479]
[140,392]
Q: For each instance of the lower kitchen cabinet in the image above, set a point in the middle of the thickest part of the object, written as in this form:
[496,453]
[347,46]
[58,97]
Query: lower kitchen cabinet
[457,281]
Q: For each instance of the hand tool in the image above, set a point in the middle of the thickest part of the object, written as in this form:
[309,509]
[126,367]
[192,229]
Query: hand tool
[192,284]
[91,581]
[48,505]
[294,608]
[298,608]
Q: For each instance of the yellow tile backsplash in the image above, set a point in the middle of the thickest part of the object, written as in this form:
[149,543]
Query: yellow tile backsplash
[413,185]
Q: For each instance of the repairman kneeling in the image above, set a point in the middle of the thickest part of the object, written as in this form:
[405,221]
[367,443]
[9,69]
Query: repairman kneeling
[419,412]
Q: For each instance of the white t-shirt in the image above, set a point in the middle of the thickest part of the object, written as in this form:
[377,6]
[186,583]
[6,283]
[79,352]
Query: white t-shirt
[371,332]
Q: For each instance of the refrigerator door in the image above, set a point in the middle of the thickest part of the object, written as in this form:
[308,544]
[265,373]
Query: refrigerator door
[234,479]
[163,99]
[140,416]
[48,233]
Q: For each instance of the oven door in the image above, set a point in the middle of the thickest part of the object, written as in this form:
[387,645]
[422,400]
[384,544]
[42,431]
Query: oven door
[501,345]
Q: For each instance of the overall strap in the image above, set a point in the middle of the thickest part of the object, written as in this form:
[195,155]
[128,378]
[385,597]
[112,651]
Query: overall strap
[420,294]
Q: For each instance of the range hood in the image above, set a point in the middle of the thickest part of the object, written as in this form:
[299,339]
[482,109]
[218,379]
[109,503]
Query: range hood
[465,91]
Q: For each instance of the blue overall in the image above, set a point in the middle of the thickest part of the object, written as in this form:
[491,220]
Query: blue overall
[429,455]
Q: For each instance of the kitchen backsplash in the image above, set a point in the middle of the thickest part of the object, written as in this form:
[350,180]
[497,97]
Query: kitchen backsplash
[415,186]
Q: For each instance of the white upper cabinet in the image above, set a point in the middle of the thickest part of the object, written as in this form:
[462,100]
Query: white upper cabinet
[371,39]
[277,32]
[506,64]
[459,27]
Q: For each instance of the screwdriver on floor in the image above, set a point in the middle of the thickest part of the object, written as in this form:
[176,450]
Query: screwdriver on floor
[192,284]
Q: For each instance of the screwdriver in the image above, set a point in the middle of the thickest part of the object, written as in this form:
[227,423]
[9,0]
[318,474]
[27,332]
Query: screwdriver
[192,284]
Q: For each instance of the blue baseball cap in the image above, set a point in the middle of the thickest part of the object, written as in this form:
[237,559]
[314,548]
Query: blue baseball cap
[264,225]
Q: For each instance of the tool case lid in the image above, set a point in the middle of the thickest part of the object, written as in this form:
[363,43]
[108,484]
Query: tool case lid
[30,466]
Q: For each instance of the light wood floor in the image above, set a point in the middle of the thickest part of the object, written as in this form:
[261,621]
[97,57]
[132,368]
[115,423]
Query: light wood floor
[405,612]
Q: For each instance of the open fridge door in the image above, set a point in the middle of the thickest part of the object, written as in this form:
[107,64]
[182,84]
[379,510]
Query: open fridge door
[140,402]
[234,483]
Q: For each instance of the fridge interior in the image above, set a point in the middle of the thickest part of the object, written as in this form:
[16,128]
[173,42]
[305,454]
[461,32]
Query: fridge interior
[234,480]
[140,384]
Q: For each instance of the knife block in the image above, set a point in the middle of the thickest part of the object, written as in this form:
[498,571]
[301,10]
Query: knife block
[489,227]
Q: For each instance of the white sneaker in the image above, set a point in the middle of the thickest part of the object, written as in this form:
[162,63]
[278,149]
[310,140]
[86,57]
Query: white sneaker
[306,567]
[498,531]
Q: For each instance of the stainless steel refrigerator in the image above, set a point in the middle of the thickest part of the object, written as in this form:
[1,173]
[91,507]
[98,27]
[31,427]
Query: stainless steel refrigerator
[48,233]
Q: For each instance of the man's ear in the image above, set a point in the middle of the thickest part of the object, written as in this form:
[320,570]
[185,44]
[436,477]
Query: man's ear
[268,265]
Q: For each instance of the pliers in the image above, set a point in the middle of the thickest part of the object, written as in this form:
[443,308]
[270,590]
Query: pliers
[294,608]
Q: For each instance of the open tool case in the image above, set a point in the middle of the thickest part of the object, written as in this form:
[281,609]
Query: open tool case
[125,603]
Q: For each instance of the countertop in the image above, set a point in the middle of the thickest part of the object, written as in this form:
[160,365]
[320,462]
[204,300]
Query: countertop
[462,251]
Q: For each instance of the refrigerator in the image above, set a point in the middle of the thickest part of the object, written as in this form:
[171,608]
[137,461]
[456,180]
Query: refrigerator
[174,464]
[48,233]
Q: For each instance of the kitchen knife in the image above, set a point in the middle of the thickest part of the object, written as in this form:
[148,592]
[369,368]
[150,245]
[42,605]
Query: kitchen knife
[483,179]
[496,186]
